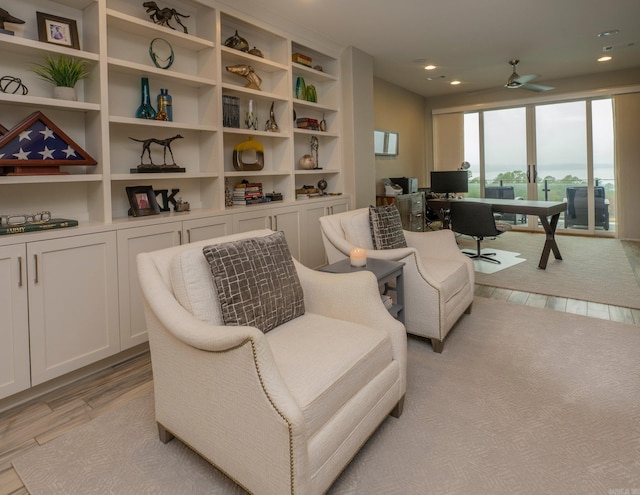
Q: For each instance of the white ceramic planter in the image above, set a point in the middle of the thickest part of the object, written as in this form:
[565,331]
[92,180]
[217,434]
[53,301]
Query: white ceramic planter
[62,93]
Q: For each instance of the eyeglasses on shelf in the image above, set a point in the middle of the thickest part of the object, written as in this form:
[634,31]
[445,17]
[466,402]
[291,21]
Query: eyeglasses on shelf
[14,220]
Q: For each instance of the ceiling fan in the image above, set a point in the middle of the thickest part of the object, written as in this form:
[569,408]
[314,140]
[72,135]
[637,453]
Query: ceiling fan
[517,81]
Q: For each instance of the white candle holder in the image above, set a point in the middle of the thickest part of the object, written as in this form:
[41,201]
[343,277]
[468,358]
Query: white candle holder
[358,257]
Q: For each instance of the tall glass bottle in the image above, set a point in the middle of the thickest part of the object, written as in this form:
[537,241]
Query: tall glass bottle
[165,100]
[145,110]
[162,109]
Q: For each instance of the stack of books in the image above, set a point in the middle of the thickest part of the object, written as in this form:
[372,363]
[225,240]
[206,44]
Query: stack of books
[308,123]
[387,301]
[54,223]
[249,193]
[307,192]
[230,111]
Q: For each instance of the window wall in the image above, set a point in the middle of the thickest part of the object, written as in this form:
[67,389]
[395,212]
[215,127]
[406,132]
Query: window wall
[553,152]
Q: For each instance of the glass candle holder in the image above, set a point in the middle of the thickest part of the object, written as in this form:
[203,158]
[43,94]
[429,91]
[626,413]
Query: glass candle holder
[358,257]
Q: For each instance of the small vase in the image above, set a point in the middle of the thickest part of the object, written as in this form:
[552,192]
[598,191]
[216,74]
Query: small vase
[145,110]
[301,89]
[64,93]
[307,162]
[248,155]
[251,118]
[165,101]
[311,94]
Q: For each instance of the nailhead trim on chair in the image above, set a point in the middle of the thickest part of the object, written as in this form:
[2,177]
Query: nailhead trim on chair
[289,425]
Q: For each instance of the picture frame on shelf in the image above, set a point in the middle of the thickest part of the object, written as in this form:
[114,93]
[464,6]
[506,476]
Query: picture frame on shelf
[58,30]
[142,200]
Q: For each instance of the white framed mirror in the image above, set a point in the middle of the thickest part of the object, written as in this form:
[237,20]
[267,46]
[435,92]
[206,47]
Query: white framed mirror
[385,143]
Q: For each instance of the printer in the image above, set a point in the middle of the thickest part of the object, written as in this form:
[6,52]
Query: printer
[391,189]
[408,184]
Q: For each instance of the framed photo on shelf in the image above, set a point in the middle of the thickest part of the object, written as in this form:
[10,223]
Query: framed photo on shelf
[58,30]
[142,200]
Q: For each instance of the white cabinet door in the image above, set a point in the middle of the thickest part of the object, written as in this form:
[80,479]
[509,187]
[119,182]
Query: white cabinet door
[133,328]
[73,303]
[202,229]
[14,321]
[257,219]
[313,248]
[285,219]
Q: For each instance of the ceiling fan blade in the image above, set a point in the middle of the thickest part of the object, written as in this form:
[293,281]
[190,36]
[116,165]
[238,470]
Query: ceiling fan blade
[527,78]
[536,87]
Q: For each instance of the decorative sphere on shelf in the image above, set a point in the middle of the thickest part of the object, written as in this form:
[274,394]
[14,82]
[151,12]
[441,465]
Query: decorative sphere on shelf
[322,185]
[307,162]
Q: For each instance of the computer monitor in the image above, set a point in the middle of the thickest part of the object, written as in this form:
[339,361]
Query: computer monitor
[450,182]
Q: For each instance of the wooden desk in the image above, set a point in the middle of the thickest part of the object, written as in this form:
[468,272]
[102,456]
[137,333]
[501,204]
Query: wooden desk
[542,209]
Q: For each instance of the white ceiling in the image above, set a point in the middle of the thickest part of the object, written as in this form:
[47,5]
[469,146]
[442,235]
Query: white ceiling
[469,40]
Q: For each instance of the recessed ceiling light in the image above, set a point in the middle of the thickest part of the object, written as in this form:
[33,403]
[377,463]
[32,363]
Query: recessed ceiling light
[605,58]
[429,67]
[455,82]
[606,34]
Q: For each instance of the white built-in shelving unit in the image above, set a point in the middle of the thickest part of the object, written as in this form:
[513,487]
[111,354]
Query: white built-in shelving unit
[70,297]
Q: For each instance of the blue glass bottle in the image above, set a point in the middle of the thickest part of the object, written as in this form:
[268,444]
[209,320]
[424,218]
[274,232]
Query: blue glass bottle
[145,110]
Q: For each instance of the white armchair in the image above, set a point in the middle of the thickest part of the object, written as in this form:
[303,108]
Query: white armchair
[439,280]
[278,412]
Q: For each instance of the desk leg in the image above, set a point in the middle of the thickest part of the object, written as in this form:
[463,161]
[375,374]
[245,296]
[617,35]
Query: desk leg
[550,242]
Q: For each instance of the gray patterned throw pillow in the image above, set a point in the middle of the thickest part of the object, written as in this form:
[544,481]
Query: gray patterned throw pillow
[256,281]
[386,227]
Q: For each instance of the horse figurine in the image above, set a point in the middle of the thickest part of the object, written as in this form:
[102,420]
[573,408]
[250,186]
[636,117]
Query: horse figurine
[163,16]
[165,143]
[253,80]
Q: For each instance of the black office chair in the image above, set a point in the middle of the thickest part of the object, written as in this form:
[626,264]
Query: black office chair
[476,220]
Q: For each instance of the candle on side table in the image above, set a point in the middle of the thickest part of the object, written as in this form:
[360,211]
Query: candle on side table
[358,257]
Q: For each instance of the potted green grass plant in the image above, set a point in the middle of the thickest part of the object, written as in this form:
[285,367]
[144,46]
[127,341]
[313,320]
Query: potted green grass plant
[64,73]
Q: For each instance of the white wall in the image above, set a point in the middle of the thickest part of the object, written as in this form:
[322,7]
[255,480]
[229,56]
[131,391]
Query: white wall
[357,111]
[398,110]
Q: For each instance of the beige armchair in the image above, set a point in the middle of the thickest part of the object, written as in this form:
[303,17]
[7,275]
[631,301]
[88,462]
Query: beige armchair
[281,412]
[438,279]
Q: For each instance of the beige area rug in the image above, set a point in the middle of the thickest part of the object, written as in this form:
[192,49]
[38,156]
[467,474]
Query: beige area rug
[521,401]
[592,269]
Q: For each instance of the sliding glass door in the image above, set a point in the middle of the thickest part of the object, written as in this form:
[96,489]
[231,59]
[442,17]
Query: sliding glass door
[554,152]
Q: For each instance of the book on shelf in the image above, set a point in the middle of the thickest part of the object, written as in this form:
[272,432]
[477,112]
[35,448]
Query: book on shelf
[231,111]
[54,223]
[246,193]
[387,301]
[308,123]
[250,201]
[245,185]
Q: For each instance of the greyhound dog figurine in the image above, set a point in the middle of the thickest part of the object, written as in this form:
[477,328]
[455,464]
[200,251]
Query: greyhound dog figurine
[165,143]
[253,80]
[6,17]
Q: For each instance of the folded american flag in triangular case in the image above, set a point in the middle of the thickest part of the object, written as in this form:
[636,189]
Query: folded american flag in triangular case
[37,141]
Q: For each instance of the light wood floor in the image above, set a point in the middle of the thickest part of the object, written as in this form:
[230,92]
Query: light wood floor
[46,418]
